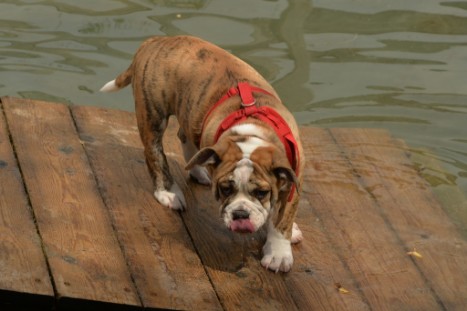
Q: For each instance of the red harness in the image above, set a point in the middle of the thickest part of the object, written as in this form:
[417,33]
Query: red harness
[263,113]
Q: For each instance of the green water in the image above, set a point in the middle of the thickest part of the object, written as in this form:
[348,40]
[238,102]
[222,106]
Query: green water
[394,64]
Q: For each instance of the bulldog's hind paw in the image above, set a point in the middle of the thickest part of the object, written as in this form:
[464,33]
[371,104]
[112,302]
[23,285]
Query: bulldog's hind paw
[173,199]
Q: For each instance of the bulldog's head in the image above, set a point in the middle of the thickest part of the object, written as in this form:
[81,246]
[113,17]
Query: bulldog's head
[250,178]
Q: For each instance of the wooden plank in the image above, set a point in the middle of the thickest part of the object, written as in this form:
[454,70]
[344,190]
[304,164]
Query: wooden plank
[387,277]
[408,204]
[23,267]
[83,253]
[363,207]
[317,267]
[162,259]
[233,260]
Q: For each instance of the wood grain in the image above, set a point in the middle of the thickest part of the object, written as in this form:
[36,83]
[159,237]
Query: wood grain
[406,202]
[23,265]
[83,253]
[233,260]
[317,267]
[363,239]
[160,254]
[363,207]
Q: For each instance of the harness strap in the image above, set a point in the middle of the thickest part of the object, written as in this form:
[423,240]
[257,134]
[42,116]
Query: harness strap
[263,113]
[245,90]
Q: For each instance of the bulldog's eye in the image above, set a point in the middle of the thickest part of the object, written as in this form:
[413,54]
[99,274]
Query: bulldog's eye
[226,190]
[260,194]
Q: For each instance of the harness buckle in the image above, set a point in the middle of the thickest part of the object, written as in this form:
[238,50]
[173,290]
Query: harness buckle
[249,104]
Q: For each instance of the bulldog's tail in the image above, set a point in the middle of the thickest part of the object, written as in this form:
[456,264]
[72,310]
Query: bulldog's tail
[118,83]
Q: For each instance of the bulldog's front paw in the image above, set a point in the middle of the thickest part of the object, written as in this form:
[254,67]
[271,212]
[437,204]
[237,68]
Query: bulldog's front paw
[277,253]
[173,199]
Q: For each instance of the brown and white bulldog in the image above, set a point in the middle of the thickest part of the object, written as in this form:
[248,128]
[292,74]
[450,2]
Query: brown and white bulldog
[236,135]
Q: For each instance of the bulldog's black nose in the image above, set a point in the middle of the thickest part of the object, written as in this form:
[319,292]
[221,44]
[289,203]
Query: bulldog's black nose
[240,214]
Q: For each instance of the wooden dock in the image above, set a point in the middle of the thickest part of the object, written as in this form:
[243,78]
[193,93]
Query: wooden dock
[80,229]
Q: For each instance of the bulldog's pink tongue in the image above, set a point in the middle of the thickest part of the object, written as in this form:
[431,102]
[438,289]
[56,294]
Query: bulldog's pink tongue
[242,225]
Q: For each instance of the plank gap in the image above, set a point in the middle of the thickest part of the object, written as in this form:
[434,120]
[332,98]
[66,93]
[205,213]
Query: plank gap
[106,204]
[84,258]
[379,208]
[27,196]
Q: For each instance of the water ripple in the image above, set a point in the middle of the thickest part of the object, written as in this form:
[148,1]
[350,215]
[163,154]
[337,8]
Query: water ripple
[398,65]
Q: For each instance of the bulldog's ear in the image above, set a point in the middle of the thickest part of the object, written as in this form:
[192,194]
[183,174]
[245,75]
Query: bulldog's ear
[285,176]
[283,171]
[204,157]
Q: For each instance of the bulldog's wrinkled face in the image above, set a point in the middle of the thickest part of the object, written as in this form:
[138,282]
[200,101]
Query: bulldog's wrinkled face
[248,178]
[246,196]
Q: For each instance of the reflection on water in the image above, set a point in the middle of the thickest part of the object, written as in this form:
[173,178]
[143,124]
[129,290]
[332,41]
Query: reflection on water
[391,64]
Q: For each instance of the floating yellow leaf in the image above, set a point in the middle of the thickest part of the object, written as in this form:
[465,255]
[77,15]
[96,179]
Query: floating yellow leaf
[414,253]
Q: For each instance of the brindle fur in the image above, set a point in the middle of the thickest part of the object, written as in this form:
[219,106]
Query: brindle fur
[184,76]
